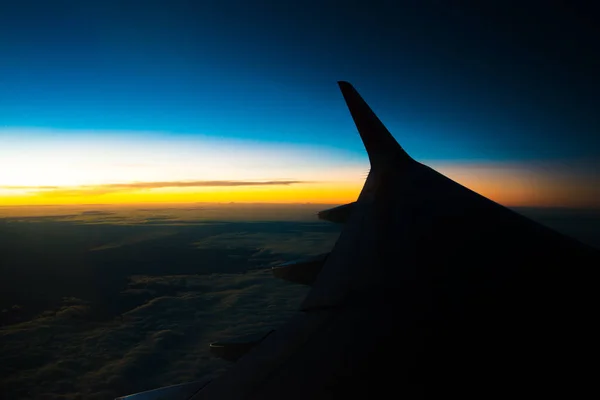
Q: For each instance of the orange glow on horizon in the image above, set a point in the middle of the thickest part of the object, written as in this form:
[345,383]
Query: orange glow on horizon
[117,168]
[515,185]
[508,184]
[324,193]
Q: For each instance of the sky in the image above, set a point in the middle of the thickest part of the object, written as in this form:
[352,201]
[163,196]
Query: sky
[111,102]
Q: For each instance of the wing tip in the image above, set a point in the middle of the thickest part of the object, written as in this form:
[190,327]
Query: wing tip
[381,146]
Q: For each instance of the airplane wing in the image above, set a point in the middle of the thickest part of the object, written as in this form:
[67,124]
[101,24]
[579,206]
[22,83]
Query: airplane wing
[431,290]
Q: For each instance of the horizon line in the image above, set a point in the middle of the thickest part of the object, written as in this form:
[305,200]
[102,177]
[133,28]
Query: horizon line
[150,204]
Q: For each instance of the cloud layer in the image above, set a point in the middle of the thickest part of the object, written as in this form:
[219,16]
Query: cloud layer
[65,354]
[83,190]
[103,302]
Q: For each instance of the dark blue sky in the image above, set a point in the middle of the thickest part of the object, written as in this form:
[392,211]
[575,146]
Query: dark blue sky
[485,82]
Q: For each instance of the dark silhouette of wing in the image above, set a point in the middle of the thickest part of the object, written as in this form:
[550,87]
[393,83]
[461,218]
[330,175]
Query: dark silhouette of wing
[431,290]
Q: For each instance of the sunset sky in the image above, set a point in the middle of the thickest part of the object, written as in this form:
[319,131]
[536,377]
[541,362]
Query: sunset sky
[131,102]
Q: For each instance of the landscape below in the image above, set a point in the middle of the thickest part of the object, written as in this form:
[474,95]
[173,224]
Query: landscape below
[102,301]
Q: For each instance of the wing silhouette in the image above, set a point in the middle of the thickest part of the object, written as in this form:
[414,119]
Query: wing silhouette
[431,290]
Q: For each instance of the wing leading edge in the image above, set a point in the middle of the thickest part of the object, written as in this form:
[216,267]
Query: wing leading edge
[431,290]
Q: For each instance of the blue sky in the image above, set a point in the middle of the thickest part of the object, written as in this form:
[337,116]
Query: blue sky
[450,84]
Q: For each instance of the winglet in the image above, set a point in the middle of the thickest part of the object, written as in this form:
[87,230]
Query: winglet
[381,146]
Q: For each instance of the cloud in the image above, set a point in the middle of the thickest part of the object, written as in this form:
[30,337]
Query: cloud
[284,244]
[163,340]
[97,212]
[153,185]
[141,310]
[120,187]
[199,214]
[16,187]
[135,239]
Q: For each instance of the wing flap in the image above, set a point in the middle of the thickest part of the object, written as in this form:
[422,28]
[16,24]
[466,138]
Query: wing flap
[339,214]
